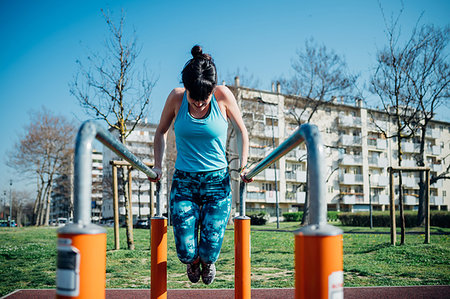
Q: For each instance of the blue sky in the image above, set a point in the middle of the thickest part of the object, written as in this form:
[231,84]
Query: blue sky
[43,39]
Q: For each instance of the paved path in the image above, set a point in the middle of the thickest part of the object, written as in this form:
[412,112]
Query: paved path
[412,292]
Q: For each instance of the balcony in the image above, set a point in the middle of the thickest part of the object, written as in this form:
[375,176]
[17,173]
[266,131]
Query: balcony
[271,196]
[433,133]
[350,140]
[297,197]
[436,200]
[350,160]
[410,199]
[436,167]
[409,163]
[378,162]
[409,147]
[140,138]
[409,182]
[350,179]
[256,151]
[381,144]
[381,199]
[433,150]
[270,174]
[268,132]
[438,184]
[296,154]
[297,176]
[379,180]
[349,121]
[349,199]
[377,126]
[256,196]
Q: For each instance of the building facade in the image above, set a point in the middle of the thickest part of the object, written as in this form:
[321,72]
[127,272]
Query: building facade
[357,155]
[140,143]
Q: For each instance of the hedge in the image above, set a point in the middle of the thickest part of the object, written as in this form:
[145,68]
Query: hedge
[297,216]
[382,219]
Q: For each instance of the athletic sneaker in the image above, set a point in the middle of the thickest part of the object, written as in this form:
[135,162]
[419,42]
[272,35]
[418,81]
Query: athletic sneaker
[193,272]
[208,273]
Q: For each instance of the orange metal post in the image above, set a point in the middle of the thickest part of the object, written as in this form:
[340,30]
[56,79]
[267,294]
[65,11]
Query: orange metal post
[319,266]
[81,265]
[158,283]
[242,281]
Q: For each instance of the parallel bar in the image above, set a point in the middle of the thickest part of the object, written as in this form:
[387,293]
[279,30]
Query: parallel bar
[295,139]
[89,131]
[316,186]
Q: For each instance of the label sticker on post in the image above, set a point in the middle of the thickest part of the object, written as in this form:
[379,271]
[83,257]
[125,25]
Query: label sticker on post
[67,269]
[336,285]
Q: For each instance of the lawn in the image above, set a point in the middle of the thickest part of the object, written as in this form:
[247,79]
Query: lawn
[28,259]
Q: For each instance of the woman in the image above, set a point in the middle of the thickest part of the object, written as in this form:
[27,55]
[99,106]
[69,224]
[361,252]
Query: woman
[200,196]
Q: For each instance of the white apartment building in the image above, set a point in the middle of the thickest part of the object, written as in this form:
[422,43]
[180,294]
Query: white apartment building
[62,194]
[356,155]
[97,188]
[140,143]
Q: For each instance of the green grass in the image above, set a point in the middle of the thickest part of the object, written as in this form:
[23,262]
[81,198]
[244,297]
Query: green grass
[28,259]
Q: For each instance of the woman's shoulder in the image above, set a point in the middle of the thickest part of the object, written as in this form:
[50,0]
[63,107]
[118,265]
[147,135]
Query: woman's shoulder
[177,92]
[176,96]
[223,94]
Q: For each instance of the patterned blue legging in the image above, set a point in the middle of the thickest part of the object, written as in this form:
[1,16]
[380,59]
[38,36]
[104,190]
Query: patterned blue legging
[200,198]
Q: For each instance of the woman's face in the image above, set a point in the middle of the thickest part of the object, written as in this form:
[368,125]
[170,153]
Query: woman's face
[199,105]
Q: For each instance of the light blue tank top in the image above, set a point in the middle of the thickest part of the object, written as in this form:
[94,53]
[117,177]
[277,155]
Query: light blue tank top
[201,143]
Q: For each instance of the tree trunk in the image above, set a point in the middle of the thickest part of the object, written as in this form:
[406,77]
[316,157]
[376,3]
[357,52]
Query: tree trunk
[47,211]
[37,204]
[421,211]
[400,191]
[128,207]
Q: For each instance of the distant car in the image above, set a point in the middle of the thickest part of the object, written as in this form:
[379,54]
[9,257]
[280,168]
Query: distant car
[109,223]
[61,221]
[143,223]
[5,223]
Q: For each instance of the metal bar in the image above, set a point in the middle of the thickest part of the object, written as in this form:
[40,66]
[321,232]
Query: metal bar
[295,139]
[158,199]
[242,194]
[316,175]
[89,131]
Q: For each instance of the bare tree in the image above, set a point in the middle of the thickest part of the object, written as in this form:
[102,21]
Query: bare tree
[320,75]
[112,90]
[42,153]
[428,84]
[243,78]
[390,82]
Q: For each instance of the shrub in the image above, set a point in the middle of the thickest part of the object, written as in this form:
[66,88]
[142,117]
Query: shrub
[258,218]
[382,219]
[293,216]
[297,216]
[332,215]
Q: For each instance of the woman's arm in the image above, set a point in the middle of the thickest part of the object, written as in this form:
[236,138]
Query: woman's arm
[167,116]
[234,114]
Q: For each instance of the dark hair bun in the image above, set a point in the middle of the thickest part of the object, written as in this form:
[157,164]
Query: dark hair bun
[197,52]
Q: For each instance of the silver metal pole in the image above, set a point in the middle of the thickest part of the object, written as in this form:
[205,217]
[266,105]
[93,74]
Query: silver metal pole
[158,199]
[295,139]
[242,194]
[316,173]
[89,131]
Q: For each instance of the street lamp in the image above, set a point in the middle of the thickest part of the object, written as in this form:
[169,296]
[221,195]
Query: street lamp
[274,164]
[10,205]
